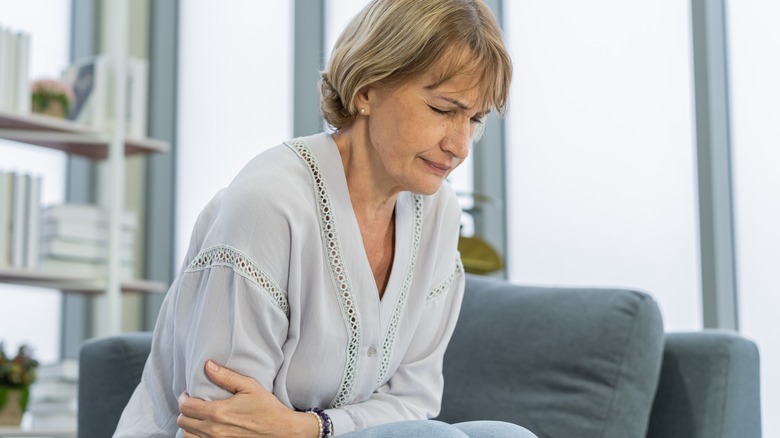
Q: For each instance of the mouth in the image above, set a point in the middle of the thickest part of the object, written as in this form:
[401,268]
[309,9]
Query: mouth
[438,169]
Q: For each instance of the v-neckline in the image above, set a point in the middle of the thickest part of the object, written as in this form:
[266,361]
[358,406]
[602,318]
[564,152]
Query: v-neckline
[350,230]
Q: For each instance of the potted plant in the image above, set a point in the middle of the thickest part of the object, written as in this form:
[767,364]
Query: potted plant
[52,97]
[16,376]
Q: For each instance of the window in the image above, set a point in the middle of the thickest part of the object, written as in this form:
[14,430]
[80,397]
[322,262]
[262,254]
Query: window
[754,41]
[601,184]
[235,96]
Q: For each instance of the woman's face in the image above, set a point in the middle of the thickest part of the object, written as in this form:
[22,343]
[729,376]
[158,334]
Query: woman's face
[421,131]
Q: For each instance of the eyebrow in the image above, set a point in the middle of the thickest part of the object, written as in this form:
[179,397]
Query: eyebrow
[456,102]
[463,106]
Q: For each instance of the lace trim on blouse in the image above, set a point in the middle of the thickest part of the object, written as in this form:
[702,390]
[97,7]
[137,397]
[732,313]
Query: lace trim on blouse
[339,272]
[223,255]
[440,290]
[400,305]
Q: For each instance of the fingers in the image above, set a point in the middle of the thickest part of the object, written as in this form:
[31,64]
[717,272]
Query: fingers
[228,379]
[192,407]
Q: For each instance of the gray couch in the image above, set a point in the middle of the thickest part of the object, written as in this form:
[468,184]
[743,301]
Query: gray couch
[563,362]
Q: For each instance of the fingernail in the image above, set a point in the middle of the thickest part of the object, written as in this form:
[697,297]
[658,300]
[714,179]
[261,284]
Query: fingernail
[212,366]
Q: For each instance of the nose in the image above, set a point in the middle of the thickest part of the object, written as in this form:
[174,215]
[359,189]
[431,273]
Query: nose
[458,138]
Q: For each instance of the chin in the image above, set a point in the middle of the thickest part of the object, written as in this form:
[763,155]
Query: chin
[426,189]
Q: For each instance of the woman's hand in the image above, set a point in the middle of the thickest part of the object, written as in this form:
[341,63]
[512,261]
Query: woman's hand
[251,411]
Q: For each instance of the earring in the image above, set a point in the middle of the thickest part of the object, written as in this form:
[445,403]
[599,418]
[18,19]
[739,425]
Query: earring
[362,110]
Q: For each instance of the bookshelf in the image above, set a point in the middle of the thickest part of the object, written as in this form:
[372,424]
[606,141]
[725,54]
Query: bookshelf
[69,137]
[75,139]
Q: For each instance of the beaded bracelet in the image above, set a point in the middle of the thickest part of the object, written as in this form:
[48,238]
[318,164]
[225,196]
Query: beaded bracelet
[326,424]
[319,422]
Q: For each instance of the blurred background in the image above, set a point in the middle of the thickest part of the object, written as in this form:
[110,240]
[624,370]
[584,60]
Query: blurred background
[606,171]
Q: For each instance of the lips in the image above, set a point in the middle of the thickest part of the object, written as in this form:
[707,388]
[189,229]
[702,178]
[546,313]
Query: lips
[437,168]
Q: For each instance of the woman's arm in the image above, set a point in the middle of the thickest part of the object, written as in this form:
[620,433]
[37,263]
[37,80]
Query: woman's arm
[413,392]
[250,411]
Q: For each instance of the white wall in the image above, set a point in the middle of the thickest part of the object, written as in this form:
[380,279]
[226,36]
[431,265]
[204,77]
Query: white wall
[32,315]
[600,149]
[754,45]
[235,95]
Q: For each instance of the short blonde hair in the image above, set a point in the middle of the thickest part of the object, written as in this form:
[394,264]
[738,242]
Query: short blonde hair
[391,41]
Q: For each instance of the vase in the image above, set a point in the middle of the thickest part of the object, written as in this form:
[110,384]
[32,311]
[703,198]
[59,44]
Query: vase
[13,402]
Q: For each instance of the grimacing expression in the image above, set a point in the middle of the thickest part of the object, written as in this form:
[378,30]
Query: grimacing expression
[421,129]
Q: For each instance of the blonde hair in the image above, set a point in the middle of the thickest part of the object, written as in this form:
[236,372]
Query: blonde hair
[391,41]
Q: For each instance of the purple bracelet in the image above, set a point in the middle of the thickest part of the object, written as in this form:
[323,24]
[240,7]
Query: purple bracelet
[327,424]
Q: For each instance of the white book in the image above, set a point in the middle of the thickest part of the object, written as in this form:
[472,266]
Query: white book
[22,85]
[33,232]
[3,62]
[83,232]
[9,70]
[86,213]
[45,408]
[19,221]
[83,270]
[82,251]
[65,370]
[53,391]
[56,422]
[6,208]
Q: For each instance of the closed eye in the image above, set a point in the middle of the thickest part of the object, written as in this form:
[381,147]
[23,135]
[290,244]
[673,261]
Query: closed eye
[440,111]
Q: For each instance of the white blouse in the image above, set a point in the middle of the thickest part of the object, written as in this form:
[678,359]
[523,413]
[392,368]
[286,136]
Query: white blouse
[276,285]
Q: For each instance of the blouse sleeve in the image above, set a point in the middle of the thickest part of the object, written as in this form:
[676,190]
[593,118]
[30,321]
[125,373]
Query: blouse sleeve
[222,307]
[235,316]
[414,391]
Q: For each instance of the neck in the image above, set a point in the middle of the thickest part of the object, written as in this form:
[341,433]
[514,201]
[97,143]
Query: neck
[372,199]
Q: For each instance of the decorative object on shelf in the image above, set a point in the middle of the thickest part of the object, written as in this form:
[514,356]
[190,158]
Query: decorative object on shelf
[52,97]
[16,376]
[477,255]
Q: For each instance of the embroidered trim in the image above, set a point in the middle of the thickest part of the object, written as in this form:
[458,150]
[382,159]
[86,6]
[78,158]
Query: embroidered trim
[444,286]
[339,273]
[400,305]
[223,255]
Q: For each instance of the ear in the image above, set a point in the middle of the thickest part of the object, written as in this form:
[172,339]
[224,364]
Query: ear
[363,99]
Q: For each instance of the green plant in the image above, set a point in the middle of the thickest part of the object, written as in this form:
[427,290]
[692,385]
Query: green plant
[45,92]
[17,374]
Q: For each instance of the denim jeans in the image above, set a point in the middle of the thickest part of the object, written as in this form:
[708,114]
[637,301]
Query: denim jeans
[437,429]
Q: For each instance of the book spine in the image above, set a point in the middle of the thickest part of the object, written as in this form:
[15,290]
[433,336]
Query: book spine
[19,221]
[22,84]
[33,243]
[7,69]
[4,60]
[6,204]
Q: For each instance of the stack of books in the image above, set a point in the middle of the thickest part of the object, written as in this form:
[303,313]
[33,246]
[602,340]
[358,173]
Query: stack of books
[14,71]
[20,220]
[75,241]
[53,401]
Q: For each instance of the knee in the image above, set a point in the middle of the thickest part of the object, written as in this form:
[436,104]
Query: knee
[494,429]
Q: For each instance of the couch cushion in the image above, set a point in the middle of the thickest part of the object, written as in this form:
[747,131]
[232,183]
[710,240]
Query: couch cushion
[563,362]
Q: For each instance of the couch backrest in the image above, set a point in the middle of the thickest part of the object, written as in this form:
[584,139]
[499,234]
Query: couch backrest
[562,362]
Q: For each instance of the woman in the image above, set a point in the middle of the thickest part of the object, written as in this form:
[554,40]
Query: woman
[322,286]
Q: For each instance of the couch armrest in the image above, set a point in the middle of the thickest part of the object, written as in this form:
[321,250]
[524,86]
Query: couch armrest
[109,370]
[709,387]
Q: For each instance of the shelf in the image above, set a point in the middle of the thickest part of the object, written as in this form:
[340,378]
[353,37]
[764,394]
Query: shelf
[17,432]
[64,135]
[66,283]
